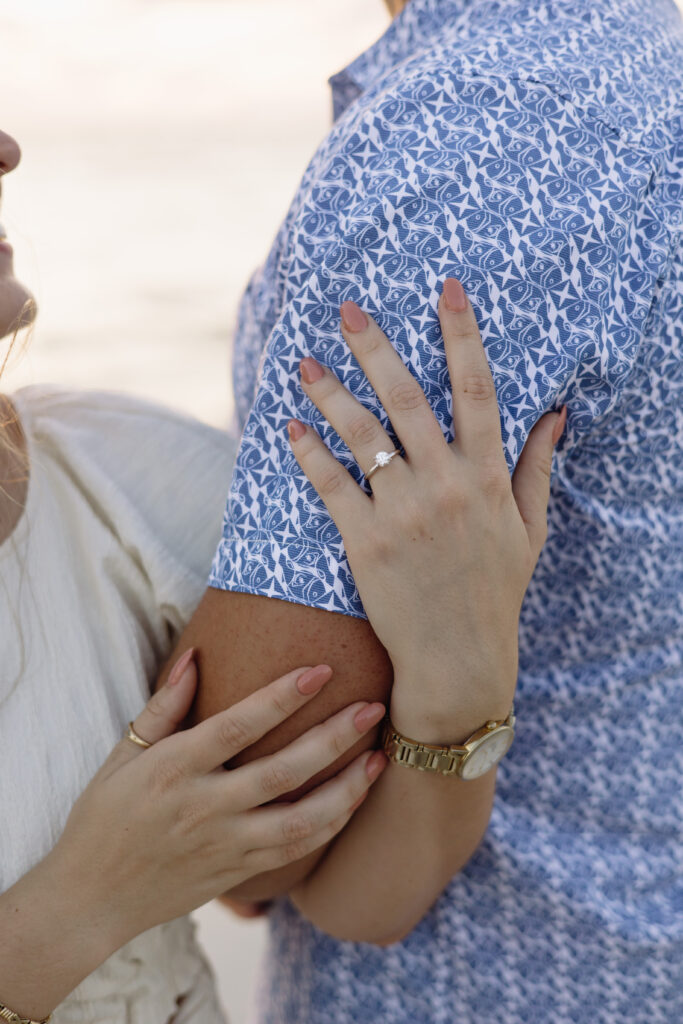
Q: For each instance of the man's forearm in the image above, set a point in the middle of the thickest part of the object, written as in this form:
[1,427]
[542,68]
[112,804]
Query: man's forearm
[413,833]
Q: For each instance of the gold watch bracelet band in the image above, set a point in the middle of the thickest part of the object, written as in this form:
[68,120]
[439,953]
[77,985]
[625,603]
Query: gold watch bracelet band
[14,1018]
[442,759]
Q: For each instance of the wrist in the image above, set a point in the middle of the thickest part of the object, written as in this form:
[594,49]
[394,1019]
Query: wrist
[442,719]
[48,944]
[90,904]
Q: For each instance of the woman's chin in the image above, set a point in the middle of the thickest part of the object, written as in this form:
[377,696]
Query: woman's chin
[17,306]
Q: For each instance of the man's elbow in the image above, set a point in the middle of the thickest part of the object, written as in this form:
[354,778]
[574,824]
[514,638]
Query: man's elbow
[372,929]
[345,923]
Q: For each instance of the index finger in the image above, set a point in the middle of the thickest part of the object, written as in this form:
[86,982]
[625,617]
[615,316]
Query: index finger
[216,740]
[476,416]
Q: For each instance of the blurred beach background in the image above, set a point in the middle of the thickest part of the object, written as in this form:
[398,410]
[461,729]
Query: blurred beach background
[163,141]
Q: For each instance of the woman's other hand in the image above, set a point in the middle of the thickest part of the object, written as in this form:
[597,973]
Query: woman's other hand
[443,551]
[160,831]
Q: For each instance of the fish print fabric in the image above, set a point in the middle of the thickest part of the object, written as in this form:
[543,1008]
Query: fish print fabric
[535,151]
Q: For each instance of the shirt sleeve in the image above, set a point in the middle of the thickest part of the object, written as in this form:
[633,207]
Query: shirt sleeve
[541,210]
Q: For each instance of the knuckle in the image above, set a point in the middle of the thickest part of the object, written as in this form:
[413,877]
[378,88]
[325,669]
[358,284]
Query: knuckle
[339,742]
[478,387]
[363,430]
[297,827]
[307,446]
[282,707]
[278,778]
[368,342]
[233,733]
[325,388]
[468,336]
[330,483]
[406,396]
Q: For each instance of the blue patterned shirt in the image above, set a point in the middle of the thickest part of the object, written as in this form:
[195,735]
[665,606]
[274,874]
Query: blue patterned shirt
[534,149]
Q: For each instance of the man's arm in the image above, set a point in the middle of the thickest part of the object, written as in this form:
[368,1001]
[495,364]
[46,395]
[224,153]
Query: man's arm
[244,641]
[414,188]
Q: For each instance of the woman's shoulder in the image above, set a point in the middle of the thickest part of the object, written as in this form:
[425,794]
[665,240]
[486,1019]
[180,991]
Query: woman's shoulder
[156,478]
[126,435]
[54,411]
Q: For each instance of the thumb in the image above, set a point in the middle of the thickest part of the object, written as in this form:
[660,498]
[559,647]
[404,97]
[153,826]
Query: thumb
[531,479]
[164,711]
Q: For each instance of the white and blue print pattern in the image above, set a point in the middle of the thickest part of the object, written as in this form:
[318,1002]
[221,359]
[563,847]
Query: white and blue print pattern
[534,149]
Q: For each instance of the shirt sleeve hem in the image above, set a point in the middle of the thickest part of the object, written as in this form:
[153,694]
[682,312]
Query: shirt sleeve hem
[264,567]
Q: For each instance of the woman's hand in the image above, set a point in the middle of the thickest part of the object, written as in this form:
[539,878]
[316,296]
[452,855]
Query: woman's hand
[443,551]
[158,832]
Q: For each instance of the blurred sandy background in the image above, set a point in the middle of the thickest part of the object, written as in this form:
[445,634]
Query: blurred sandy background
[162,144]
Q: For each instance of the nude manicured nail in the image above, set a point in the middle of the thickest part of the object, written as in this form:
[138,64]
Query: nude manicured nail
[376,765]
[454,295]
[353,317]
[179,668]
[295,430]
[558,430]
[369,716]
[311,370]
[313,679]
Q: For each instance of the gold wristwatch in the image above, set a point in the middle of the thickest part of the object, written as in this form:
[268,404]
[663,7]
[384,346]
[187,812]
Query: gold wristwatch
[468,760]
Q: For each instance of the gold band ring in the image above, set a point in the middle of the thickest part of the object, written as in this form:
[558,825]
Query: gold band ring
[382,459]
[134,738]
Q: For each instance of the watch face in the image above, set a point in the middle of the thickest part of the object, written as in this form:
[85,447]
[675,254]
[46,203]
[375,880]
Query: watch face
[488,752]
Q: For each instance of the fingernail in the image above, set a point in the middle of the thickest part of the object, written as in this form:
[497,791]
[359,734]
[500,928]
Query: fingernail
[295,430]
[311,370]
[454,295]
[313,679]
[376,765]
[353,317]
[179,668]
[369,716]
[558,430]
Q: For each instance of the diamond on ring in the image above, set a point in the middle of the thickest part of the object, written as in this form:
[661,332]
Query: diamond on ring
[381,459]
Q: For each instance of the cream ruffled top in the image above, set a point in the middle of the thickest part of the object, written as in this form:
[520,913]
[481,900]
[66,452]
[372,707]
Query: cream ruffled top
[104,568]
